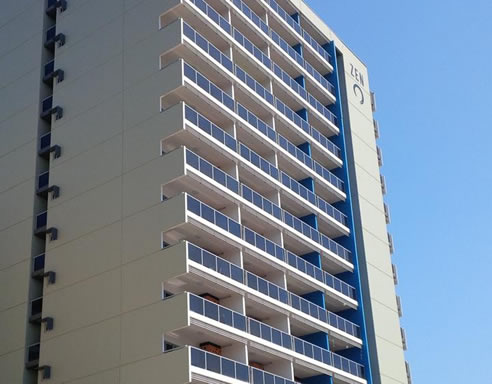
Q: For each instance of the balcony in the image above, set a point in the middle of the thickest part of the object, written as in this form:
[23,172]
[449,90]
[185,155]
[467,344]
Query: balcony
[205,272]
[281,48]
[266,344]
[321,116]
[220,190]
[194,365]
[197,90]
[247,87]
[315,52]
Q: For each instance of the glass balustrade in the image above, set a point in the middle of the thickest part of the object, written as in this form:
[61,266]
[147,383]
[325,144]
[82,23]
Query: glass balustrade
[218,364]
[284,76]
[208,169]
[264,331]
[251,15]
[290,220]
[209,48]
[262,57]
[251,48]
[258,161]
[215,217]
[271,290]
[210,128]
[305,35]
[209,87]
[268,131]
[221,96]
[213,15]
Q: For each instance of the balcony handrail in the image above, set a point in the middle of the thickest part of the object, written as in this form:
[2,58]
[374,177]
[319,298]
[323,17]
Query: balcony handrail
[206,85]
[227,63]
[300,31]
[209,260]
[208,10]
[266,332]
[293,260]
[286,217]
[280,42]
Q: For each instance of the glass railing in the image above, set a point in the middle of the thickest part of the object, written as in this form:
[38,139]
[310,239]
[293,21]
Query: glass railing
[206,258]
[209,260]
[281,43]
[213,216]
[209,87]
[210,128]
[254,85]
[194,36]
[284,76]
[315,235]
[213,15]
[261,202]
[317,46]
[305,306]
[271,290]
[281,106]
[221,96]
[251,48]
[258,161]
[208,169]
[306,194]
[290,220]
[240,38]
[268,131]
[251,15]
[307,37]
[218,364]
[264,331]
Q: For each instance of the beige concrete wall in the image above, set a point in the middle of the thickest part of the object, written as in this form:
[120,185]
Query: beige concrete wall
[21,26]
[108,257]
[383,326]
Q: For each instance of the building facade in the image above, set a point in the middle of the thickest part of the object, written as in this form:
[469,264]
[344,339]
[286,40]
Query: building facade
[190,193]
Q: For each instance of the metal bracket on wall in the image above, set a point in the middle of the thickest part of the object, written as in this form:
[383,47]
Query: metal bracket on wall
[51,275]
[48,321]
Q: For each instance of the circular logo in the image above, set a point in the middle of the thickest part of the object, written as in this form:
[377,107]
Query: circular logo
[359,93]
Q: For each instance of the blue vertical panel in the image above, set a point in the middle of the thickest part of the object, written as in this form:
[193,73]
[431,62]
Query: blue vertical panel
[313,258]
[303,113]
[308,182]
[296,17]
[306,148]
[349,242]
[298,48]
[311,220]
[301,80]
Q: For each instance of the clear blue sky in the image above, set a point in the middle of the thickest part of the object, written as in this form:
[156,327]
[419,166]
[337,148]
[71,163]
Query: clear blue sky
[430,64]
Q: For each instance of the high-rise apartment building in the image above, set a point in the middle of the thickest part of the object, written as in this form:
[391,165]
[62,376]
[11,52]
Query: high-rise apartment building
[190,193]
